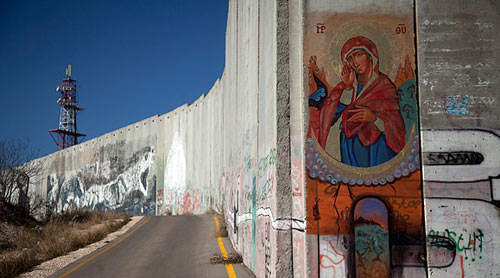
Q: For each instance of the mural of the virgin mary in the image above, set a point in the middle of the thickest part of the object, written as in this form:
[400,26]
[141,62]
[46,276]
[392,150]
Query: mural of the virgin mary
[365,101]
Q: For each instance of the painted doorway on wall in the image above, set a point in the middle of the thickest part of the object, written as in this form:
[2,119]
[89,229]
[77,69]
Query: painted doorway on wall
[371,238]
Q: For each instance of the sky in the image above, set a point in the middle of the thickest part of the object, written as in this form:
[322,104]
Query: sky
[131,60]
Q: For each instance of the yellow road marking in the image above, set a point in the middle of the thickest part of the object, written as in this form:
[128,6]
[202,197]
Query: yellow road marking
[229,267]
[105,249]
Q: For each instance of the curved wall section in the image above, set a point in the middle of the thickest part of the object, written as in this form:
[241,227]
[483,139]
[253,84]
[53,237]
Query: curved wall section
[220,153]
[273,144]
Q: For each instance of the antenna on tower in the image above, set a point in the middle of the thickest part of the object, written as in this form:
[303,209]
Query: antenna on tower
[68,71]
[67,135]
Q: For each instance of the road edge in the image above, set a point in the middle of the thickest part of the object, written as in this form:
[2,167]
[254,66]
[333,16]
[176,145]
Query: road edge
[54,265]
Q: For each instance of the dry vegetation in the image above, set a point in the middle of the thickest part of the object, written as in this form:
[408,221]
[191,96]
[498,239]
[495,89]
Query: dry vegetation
[232,258]
[25,242]
[218,258]
[222,232]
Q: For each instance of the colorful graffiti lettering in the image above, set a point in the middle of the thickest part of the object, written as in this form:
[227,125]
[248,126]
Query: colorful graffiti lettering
[190,202]
[471,244]
[268,160]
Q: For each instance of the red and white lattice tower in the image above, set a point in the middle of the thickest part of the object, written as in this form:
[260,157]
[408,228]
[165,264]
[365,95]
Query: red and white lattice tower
[67,135]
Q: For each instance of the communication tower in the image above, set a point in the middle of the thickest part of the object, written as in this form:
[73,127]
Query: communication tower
[67,135]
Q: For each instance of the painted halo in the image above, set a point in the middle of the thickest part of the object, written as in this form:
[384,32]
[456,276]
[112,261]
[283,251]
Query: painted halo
[389,55]
[324,166]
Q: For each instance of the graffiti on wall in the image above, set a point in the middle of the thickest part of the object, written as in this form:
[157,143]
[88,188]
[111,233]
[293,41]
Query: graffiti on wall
[251,219]
[468,244]
[362,151]
[460,179]
[114,182]
[332,259]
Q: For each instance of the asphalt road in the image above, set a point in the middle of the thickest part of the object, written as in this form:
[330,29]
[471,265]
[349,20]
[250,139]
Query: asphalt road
[164,246]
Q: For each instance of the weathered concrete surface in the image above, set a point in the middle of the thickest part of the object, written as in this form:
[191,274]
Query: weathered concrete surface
[241,148]
[111,172]
[458,54]
[298,114]
[458,59]
[221,152]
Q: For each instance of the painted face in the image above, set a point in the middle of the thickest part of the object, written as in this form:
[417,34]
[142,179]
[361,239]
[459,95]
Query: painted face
[360,62]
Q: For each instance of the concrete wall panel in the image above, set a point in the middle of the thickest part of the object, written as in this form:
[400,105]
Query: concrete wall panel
[458,55]
[251,147]
[109,172]
[358,220]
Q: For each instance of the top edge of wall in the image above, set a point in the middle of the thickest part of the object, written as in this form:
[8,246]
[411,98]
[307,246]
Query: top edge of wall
[214,88]
[97,140]
[361,6]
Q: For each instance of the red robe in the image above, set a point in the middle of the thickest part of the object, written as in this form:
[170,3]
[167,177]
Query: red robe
[382,99]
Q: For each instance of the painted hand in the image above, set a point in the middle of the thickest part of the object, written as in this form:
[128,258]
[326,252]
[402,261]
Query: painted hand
[347,76]
[361,115]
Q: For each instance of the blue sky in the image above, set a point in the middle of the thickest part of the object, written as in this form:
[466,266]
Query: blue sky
[131,60]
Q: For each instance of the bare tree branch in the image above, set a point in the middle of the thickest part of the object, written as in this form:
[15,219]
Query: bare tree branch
[17,167]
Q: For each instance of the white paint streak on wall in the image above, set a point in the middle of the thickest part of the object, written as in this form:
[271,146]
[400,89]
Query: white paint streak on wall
[175,170]
[277,224]
[127,182]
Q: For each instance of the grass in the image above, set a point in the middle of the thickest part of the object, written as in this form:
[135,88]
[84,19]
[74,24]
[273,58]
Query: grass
[34,244]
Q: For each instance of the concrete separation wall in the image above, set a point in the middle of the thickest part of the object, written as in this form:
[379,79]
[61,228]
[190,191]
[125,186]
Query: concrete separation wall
[112,172]
[417,192]
[221,152]
[459,56]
